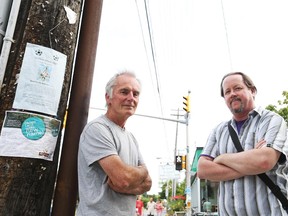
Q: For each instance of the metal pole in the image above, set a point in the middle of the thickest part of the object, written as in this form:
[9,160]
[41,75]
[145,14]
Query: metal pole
[8,39]
[175,152]
[4,17]
[188,179]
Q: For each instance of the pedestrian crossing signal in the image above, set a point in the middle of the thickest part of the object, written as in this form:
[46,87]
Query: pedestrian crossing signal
[178,162]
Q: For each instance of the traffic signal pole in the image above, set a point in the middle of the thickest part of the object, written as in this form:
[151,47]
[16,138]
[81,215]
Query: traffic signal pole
[175,153]
[188,179]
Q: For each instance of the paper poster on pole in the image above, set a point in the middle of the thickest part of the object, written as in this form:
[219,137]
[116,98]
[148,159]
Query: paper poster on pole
[41,80]
[29,135]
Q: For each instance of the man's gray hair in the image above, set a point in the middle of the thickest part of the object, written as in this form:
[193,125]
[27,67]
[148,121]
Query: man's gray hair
[111,83]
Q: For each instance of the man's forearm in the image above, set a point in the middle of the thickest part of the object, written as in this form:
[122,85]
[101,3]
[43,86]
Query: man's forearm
[135,189]
[250,162]
[210,170]
[143,187]
[142,174]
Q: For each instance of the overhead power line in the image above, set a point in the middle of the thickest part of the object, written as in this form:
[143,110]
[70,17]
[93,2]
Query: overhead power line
[152,47]
[144,42]
[227,38]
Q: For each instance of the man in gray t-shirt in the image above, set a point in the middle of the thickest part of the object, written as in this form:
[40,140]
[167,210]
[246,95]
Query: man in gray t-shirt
[111,169]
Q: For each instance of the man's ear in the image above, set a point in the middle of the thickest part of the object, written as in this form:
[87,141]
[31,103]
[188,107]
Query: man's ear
[254,92]
[107,98]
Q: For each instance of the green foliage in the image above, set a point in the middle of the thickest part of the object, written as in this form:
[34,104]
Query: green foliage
[145,199]
[180,189]
[177,205]
[283,109]
[173,205]
[162,194]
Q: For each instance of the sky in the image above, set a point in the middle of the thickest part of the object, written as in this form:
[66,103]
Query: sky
[194,44]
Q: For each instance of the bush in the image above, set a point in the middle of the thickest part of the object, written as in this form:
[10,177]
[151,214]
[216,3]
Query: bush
[177,205]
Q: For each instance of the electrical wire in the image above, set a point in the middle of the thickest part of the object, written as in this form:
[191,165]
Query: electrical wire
[154,59]
[144,42]
[227,38]
[153,52]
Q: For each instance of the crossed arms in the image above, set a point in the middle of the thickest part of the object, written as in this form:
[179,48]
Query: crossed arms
[123,178]
[236,165]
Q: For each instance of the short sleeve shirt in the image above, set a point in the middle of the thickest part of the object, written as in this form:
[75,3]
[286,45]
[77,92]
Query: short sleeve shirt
[101,138]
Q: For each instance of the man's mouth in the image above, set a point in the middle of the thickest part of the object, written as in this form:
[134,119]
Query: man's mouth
[235,100]
[129,106]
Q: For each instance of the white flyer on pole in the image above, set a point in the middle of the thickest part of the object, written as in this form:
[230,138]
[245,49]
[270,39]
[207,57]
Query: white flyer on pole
[29,135]
[41,80]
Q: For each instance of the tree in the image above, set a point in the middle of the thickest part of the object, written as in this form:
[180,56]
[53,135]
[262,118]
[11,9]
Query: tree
[283,109]
[173,204]
[180,189]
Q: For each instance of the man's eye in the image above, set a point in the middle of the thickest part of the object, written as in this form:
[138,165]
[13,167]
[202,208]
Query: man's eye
[125,92]
[227,92]
[136,94]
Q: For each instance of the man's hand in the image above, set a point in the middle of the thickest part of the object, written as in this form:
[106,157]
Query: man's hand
[136,190]
[250,162]
[124,178]
[211,170]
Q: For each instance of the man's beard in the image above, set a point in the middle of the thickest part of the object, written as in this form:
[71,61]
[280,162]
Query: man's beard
[237,111]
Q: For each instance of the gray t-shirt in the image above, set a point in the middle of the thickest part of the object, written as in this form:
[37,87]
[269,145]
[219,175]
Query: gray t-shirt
[101,138]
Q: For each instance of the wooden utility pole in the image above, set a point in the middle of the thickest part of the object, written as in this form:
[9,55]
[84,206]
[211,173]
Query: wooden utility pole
[66,189]
[26,184]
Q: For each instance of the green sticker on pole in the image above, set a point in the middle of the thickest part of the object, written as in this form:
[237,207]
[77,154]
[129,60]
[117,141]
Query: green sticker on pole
[33,128]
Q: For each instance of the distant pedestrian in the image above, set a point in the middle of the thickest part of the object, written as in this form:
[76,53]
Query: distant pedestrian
[151,207]
[202,203]
[139,206]
[207,206]
[159,207]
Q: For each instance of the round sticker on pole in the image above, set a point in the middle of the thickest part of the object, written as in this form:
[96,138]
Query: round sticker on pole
[33,128]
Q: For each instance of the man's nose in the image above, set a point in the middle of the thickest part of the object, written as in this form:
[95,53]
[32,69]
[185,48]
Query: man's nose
[232,93]
[130,96]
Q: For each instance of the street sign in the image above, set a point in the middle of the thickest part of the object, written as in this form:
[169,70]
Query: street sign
[167,171]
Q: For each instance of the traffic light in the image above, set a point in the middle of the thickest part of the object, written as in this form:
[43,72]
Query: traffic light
[178,162]
[186,103]
[183,161]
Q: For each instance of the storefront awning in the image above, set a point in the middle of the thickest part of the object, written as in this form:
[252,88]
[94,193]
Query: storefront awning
[195,159]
